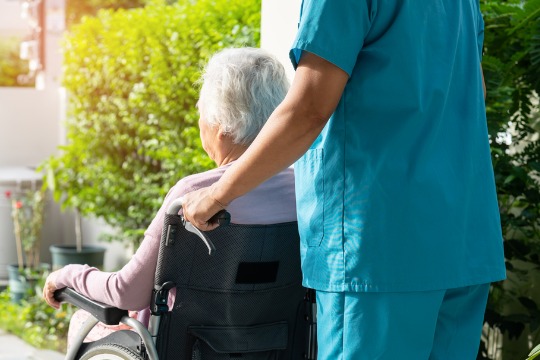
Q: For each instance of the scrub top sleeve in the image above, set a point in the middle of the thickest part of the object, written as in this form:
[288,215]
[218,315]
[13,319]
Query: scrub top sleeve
[333,30]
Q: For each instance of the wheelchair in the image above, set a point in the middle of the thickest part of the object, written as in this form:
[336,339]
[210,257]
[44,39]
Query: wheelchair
[241,298]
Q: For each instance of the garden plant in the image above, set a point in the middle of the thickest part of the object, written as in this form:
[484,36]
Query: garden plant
[132,131]
[11,65]
[27,214]
[34,321]
[534,353]
[511,66]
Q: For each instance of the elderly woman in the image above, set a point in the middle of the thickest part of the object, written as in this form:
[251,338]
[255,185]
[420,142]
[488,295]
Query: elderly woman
[241,88]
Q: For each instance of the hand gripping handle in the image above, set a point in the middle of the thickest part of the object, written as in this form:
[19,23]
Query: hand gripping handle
[223,218]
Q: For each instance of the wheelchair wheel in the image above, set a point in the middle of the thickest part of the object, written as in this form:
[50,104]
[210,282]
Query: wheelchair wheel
[110,352]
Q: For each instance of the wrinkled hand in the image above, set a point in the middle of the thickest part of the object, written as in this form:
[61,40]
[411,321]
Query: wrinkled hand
[49,288]
[199,206]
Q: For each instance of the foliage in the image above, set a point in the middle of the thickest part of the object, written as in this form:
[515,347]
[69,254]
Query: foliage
[76,9]
[511,66]
[27,215]
[11,65]
[534,353]
[36,322]
[132,129]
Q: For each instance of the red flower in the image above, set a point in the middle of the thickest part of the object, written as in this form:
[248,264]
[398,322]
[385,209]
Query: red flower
[18,204]
[8,194]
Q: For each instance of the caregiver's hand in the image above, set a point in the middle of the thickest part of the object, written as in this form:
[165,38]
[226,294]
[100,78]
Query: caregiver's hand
[199,206]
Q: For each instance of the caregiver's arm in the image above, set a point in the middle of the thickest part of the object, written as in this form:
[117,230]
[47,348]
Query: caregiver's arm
[288,134]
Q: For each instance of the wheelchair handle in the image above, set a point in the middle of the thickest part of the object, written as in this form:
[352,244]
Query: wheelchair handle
[223,218]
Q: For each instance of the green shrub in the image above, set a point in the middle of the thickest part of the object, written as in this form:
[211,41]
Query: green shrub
[132,131]
[76,9]
[512,71]
[34,321]
[11,65]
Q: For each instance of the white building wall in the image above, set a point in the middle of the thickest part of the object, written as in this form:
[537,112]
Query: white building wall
[279,23]
[10,21]
[29,125]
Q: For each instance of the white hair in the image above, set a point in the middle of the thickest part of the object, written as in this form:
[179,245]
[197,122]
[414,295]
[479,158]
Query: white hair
[240,89]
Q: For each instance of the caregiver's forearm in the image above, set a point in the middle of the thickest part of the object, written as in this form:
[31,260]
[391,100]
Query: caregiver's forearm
[291,129]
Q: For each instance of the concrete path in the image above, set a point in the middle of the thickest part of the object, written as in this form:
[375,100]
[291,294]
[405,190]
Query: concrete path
[13,348]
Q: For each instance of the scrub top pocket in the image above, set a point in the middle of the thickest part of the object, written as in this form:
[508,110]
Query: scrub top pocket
[309,177]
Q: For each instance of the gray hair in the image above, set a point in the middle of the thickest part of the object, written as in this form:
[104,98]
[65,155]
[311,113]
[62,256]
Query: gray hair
[240,89]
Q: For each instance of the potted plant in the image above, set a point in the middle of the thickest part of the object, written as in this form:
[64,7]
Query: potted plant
[63,255]
[27,215]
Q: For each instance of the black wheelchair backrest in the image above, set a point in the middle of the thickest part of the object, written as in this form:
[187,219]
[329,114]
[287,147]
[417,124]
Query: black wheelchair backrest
[245,301]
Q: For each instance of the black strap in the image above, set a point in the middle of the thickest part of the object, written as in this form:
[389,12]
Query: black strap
[311,318]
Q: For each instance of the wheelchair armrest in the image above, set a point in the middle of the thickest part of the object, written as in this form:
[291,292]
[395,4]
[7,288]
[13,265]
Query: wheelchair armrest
[109,315]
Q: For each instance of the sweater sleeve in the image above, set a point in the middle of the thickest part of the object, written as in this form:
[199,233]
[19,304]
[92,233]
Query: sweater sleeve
[129,288]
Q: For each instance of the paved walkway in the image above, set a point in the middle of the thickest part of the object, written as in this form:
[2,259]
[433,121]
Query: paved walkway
[13,348]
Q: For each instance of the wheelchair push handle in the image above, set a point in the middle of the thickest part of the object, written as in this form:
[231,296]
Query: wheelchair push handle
[223,218]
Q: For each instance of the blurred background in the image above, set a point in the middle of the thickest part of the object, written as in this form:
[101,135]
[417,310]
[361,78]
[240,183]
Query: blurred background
[98,121]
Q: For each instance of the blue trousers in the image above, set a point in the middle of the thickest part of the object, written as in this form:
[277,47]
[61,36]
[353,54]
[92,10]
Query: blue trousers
[434,325]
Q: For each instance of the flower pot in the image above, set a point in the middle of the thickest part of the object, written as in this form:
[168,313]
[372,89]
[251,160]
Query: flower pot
[18,285]
[67,254]
[21,284]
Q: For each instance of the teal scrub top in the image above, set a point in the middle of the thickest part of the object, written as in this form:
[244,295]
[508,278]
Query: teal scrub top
[397,193]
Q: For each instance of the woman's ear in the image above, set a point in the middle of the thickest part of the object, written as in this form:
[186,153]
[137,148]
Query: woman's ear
[221,133]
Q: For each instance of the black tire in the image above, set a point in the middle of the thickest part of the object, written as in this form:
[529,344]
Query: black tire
[110,352]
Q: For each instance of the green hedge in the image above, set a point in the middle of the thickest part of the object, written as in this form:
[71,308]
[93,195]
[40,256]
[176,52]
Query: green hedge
[34,321]
[77,9]
[131,78]
[11,65]
[511,66]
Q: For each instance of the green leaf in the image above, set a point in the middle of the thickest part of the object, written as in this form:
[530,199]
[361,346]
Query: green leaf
[509,179]
[534,353]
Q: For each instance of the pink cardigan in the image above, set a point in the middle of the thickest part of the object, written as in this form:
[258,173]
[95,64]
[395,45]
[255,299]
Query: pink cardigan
[130,288]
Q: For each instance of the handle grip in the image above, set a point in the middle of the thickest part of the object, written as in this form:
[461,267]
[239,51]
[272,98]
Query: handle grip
[222,217]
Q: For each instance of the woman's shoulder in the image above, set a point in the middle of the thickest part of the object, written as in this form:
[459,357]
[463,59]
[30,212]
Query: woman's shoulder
[197,181]
[271,202]
[202,179]
[283,178]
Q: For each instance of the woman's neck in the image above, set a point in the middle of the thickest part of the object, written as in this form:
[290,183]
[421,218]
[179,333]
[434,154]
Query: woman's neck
[233,153]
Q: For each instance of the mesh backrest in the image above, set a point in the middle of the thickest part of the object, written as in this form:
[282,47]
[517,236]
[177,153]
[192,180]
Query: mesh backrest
[246,301]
